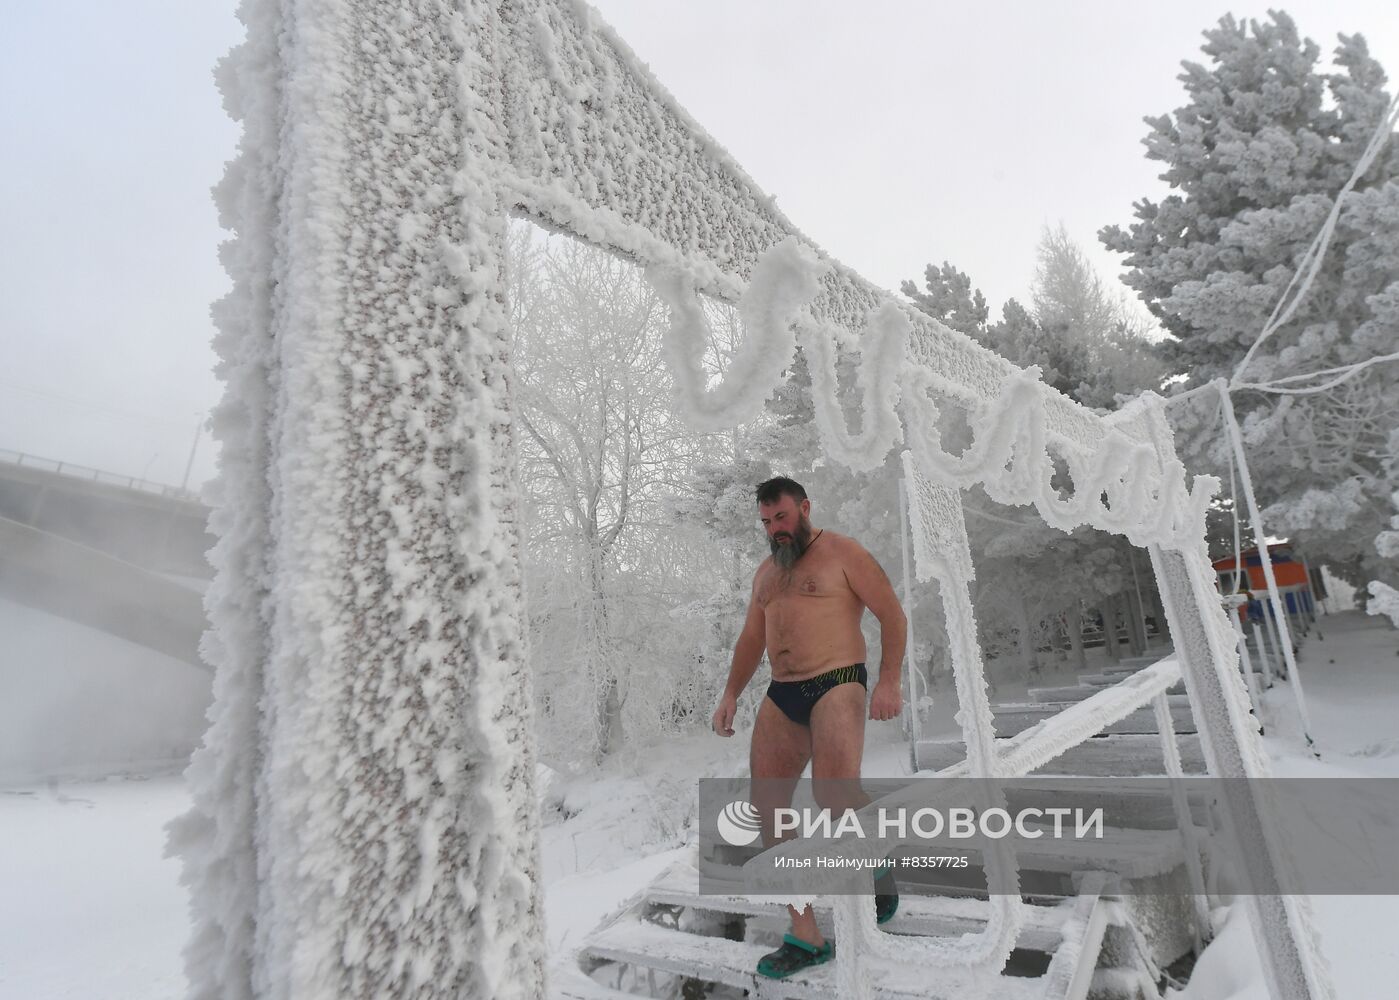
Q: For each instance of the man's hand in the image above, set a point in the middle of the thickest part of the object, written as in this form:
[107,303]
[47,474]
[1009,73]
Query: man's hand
[723,722]
[887,702]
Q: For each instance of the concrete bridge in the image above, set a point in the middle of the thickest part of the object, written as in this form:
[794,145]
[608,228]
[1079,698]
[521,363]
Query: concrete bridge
[115,553]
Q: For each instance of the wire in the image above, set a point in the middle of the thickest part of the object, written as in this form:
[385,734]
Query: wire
[1218,383]
[1311,263]
[1260,540]
[992,517]
[1316,252]
[1346,371]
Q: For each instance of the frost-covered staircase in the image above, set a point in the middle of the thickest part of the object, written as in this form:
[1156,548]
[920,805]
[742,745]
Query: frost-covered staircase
[673,942]
[1081,939]
[1077,941]
[1129,747]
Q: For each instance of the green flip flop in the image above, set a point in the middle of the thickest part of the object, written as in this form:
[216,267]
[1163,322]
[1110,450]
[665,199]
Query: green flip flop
[794,955]
[886,895]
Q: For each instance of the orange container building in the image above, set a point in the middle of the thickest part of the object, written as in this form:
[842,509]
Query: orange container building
[1298,593]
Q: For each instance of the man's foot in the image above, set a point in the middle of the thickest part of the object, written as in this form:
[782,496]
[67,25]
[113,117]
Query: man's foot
[886,895]
[794,955]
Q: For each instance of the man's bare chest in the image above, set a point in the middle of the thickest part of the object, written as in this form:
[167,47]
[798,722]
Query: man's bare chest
[805,585]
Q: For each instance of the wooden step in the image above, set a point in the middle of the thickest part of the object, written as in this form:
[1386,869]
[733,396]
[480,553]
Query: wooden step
[1015,718]
[1099,681]
[1100,756]
[1104,679]
[1145,659]
[1063,692]
[1129,663]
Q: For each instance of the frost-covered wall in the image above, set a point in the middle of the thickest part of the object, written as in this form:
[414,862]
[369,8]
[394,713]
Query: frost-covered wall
[597,147]
[364,821]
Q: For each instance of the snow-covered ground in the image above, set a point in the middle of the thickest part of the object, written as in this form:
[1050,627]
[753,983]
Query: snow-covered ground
[90,908]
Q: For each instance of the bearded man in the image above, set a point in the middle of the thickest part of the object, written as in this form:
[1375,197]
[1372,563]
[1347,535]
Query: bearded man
[807,601]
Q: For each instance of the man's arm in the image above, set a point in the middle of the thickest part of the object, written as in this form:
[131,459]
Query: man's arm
[748,653]
[871,585]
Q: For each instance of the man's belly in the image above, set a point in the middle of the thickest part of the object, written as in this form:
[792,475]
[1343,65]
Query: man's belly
[797,660]
[807,636]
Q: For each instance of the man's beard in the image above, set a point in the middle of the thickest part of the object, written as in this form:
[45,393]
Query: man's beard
[786,553]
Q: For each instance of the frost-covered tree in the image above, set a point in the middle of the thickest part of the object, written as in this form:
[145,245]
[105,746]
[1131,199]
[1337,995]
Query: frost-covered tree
[1254,158]
[948,297]
[1384,599]
[1098,342]
[601,455]
[1086,341]
[718,500]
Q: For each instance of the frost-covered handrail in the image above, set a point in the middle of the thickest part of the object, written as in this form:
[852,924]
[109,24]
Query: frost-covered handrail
[1052,737]
[1028,750]
[1165,725]
[90,474]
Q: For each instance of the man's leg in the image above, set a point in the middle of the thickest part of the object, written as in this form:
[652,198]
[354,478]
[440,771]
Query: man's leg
[835,752]
[838,732]
[838,748]
[780,751]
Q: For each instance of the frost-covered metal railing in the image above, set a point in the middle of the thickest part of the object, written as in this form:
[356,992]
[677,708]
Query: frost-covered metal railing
[90,474]
[368,772]
[1032,748]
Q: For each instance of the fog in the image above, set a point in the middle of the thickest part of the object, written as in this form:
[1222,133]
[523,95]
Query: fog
[76,701]
[101,609]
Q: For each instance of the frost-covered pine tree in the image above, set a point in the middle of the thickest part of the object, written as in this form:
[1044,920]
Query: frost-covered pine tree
[1086,341]
[948,296]
[1099,338]
[1256,155]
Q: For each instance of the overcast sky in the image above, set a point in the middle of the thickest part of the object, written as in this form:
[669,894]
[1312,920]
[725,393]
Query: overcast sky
[893,134]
